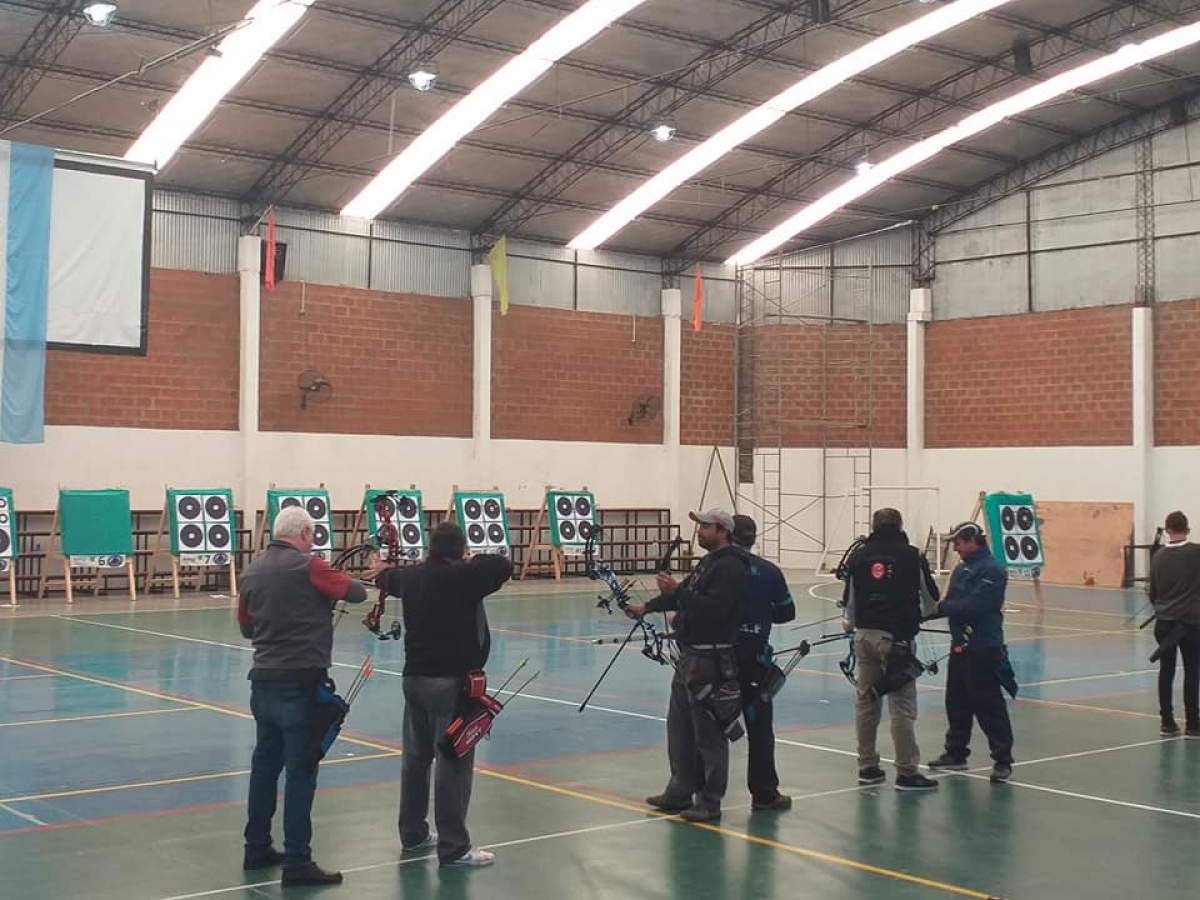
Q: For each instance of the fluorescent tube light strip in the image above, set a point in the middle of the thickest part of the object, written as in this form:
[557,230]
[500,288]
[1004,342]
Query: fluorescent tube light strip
[1126,58]
[473,110]
[261,29]
[762,117]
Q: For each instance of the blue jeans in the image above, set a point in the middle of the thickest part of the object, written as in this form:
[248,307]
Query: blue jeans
[283,712]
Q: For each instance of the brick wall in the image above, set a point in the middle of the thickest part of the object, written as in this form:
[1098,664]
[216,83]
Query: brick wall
[1042,380]
[1176,352]
[399,364]
[188,378]
[706,392]
[839,385]
[561,375]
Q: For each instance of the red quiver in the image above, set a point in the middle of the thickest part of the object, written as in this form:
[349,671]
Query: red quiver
[470,726]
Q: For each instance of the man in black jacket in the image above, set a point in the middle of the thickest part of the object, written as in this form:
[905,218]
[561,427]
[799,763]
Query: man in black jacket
[705,700]
[1175,593]
[887,580]
[285,607]
[446,637]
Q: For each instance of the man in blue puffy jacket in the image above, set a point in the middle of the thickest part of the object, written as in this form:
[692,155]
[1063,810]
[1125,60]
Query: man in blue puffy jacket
[973,604]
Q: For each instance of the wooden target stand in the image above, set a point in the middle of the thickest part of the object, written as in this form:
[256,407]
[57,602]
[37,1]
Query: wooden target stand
[153,577]
[90,561]
[8,567]
[452,512]
[360,532]
[558,556]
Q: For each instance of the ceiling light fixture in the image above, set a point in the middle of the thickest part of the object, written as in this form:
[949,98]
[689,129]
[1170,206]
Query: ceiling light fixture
[263,26]
[759,119]
[863,166]
[663,133]
[473,110]
[1127,57]
[423,78]
[100,14]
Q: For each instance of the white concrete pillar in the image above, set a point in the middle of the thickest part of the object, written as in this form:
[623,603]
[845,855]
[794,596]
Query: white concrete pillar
[1146,516]
[481,421]
[672,390]
[250,293]
[920,313]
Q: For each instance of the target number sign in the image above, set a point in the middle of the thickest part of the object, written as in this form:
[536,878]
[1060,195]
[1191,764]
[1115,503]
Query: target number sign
[572,519]
[316,502]
[8,528]
[203,530]
[484,520]
[1016,536]
[407,519]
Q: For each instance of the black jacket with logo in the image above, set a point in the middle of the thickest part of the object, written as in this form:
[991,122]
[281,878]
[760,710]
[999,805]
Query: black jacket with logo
[885,580]
[708,602]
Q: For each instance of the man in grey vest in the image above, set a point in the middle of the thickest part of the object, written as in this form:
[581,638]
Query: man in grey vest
[286,608]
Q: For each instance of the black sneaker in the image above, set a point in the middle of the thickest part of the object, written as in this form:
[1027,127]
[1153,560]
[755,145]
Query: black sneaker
[948,763]
[1192,731]
[779,801]
[668,804]
[309,873]
[1001,772]
[871,775]
[271,858]
[1168,728]
[915,782]
[700,814]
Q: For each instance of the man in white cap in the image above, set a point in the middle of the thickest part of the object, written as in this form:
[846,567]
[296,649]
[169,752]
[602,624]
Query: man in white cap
[705,709]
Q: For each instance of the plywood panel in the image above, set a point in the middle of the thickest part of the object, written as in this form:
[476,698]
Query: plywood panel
[1084,541]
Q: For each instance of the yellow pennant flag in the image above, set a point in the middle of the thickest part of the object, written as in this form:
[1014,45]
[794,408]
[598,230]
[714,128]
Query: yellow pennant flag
[498,260]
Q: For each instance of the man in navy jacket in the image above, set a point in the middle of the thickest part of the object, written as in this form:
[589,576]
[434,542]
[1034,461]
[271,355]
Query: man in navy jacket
[973,604]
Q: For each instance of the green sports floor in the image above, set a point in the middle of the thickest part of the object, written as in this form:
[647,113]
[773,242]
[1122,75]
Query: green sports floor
[125,739]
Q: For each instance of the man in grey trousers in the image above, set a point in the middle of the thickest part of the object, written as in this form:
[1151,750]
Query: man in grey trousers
[446,637]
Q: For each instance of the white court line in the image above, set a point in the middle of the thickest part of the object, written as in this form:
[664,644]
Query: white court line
[20,815]
[409,860]
[1075,678]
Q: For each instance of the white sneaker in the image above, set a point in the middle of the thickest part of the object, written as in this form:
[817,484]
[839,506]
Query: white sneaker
[473,857]
[428,844]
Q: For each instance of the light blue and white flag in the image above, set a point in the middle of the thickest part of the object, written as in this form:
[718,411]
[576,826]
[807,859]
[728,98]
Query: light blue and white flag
[26,176]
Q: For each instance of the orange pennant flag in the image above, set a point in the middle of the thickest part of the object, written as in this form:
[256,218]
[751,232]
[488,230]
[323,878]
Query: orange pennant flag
[698,301]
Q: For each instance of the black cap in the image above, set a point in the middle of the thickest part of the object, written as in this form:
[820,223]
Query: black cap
[744,531]
[970,531]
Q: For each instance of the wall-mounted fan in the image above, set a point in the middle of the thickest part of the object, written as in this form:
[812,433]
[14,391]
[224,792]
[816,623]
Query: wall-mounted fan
[315,386]
[645,407]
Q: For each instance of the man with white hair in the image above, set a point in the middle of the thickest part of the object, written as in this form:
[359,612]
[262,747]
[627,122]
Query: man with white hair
[285,608]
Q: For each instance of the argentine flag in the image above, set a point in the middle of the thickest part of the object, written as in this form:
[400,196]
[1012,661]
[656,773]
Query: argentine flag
[26,176]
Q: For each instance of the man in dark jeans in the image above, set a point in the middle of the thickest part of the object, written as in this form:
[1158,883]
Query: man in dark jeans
[974,602]
[285,608]
[1175,593]
[445,637]
[767,601]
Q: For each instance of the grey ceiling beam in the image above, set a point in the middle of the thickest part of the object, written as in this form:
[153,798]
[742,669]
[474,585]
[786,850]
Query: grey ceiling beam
[56,28]
[662,98]
[745,216]
[448,21]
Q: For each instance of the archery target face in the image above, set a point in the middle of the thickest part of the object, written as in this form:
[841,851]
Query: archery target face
[1019,535]
[8,526]
[572,518]
[316,503]
[484,522]
[202,522]
[401,511]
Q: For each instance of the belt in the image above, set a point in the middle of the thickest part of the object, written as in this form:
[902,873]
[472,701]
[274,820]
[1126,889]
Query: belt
[708,646]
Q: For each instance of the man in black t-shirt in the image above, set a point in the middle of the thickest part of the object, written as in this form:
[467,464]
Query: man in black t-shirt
[1175,593]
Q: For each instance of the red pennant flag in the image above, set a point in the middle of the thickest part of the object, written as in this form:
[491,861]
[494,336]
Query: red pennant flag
[269,263]
[698,301]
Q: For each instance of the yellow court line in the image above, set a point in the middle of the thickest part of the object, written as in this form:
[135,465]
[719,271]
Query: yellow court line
[183,779]
[751,838]
[159,695]
[120,715]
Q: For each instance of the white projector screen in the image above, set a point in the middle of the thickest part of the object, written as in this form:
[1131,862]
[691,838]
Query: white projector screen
[99,255]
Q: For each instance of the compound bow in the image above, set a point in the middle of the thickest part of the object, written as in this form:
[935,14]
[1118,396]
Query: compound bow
[653,640]
[386,542]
